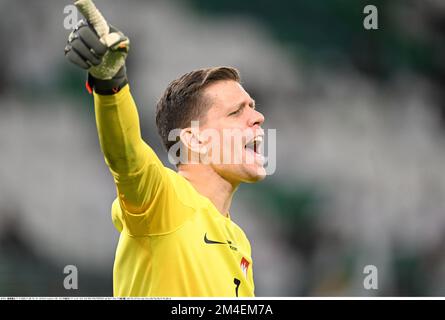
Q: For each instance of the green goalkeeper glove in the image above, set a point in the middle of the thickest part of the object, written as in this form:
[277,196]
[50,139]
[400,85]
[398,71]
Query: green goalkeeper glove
[99,48]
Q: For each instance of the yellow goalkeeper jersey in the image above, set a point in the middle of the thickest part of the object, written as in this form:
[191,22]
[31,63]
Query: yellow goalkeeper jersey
[179,245]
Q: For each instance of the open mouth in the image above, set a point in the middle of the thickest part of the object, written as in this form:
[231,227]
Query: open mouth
[254,144]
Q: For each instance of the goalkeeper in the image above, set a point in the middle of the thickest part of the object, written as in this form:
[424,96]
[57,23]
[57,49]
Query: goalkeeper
[177,237]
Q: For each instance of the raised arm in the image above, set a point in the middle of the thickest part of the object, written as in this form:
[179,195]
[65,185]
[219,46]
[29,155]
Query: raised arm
[137,171]
[101,50]
[119,133]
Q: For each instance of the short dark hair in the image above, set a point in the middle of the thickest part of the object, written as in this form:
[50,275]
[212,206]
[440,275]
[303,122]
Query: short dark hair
[183,102]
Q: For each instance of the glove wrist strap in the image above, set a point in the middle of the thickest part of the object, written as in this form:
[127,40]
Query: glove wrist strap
[107,87]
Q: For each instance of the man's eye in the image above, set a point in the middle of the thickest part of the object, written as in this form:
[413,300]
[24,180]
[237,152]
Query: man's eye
[234,112]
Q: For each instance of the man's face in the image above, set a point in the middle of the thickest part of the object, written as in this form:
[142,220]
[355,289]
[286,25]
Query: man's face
[232,130]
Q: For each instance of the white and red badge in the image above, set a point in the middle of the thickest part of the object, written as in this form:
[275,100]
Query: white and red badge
[244,266]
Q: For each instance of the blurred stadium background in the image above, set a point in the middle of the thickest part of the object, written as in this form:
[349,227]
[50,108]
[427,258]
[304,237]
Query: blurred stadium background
[360,119]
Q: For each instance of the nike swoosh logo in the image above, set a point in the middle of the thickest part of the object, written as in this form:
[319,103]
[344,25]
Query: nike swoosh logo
[208,241]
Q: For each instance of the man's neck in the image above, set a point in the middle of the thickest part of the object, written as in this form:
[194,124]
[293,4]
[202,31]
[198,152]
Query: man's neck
[210,184]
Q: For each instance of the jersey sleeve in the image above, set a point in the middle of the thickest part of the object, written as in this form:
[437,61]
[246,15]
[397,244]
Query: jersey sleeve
[146,196]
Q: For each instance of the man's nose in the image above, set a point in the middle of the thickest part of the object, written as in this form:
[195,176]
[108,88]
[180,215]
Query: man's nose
[256,119]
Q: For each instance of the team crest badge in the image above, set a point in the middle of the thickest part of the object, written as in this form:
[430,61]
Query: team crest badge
[244,266]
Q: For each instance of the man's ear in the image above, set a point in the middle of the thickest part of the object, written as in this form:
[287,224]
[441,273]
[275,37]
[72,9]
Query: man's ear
[191,139]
